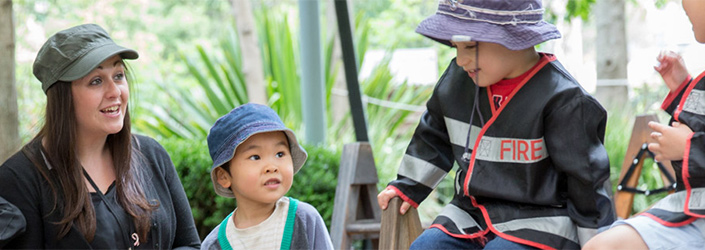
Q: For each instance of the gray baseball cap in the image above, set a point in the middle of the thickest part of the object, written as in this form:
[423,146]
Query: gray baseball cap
[73,53]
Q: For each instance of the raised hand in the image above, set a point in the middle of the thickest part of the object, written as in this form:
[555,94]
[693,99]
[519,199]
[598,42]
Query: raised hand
[672,69]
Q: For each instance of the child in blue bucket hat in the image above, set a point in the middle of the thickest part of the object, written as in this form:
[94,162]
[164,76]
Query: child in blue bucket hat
[527,138]
[255,158]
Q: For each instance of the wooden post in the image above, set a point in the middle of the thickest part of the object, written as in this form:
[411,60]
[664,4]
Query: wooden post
[399,230]
[356,213]
[641,132]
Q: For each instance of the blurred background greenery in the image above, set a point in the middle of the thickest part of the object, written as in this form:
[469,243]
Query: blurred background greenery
[189,74]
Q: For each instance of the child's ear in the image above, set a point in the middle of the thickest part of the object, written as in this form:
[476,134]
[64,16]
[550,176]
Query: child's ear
[223,177]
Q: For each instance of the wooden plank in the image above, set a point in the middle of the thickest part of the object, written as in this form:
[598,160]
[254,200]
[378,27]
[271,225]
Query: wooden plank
[364,227]
[365,171]
[398,231]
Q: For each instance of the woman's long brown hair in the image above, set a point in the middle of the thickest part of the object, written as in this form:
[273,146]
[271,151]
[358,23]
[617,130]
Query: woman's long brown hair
[66,175]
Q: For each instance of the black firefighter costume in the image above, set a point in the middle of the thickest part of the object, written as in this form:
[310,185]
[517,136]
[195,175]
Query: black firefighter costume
[687,204]
[534,172]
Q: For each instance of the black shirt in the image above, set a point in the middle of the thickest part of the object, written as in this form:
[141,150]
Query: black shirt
[114,224]
[172,222]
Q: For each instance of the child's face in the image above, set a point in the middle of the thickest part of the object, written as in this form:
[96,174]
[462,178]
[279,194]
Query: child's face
[496,62]
[695,10]
[261,171]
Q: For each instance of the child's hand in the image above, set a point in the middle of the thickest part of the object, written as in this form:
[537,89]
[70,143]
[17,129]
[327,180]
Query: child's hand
[386,195]
[670,141]
[672,69]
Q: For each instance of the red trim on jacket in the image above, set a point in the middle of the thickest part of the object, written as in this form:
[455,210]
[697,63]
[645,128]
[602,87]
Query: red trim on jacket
[480,235]
[686,177]
[668,223]
[672,95]
[545,59]
[503,235]
[692,84]
[403,196]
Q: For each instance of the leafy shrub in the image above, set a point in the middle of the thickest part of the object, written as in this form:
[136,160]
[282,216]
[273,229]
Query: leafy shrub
[315,183]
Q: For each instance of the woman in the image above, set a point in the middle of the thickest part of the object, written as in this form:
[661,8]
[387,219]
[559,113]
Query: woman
[85,181]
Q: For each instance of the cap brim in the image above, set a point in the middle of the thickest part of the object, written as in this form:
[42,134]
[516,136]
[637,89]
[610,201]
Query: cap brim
[442,28]
[92,59]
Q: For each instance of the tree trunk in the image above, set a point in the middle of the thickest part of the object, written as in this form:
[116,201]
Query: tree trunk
[9,135]
[251,55]
[612,87]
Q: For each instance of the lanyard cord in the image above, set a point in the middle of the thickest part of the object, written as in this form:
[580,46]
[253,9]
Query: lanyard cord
[109,206]
[475,106]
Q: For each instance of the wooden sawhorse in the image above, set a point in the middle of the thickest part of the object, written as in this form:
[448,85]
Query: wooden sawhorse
[633,164]
[356,213]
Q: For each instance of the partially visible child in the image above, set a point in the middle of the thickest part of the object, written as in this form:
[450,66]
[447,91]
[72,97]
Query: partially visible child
[527,138]
[255,158]
[676,221]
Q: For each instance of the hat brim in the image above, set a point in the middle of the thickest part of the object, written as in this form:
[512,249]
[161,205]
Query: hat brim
[298,158]
[93,59]
[442,28]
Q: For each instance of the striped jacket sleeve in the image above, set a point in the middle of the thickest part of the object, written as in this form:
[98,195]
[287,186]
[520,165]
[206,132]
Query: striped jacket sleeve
[428,157]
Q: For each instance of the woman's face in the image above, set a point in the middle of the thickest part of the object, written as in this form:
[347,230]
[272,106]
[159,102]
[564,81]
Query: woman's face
[100,99]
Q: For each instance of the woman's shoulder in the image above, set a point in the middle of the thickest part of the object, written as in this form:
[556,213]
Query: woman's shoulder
[145,141]
[20,163]
[148,146]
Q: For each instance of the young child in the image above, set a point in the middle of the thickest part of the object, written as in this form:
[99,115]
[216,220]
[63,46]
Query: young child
[527,138]
[254,160]
[676,221]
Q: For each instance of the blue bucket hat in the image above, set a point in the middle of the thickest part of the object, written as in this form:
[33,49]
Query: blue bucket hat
[232,129]
[515,24]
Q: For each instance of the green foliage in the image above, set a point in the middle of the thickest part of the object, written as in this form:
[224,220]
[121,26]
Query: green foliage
[646,100]
[578,8]
[395,21]
[220,83]
[315,183]
[193,163]
[220,87]
[391,126]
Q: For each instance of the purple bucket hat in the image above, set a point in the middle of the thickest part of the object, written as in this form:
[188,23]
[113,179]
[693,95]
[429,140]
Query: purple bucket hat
[232,129]
[515,24]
